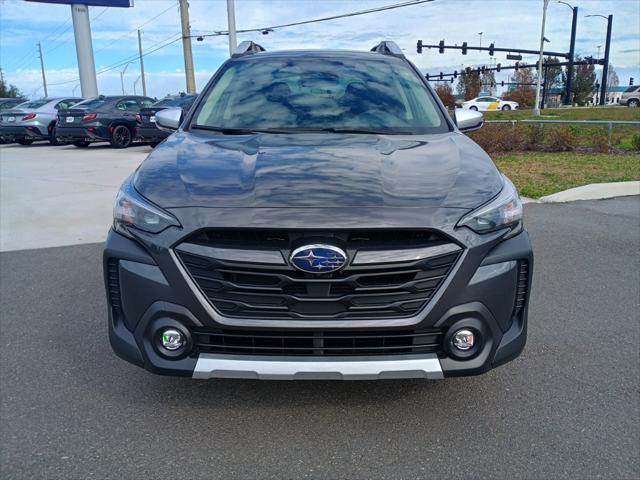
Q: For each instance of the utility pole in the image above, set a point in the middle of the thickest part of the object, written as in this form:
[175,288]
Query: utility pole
[480,35]
[536,107]
[605,70]
[231,20]
[144,82]
[44,78]
[186,46]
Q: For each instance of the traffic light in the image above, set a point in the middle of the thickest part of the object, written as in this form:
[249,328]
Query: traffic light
[502,83]
[464,48]
[427,77]
[451,79]
[455,74]
[441,46]
[498,68]
[440,75]
[517,66]
[631,81]
[419,46]
[482,69]
[491,49]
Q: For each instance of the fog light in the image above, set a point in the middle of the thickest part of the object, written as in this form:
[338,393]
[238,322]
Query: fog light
[172,339]
[463,339]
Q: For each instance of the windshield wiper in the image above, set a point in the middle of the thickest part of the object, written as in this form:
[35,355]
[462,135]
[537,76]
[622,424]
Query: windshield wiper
[224,130]
[375,131]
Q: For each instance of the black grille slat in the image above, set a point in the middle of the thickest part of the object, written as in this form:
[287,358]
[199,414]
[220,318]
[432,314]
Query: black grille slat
[264,291]
[317,343]
[522,287]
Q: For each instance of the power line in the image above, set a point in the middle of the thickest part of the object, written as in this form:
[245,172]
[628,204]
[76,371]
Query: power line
[323,19]
[173,5]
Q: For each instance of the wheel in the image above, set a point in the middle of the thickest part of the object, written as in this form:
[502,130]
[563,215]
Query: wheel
[52,137]
[473,107]
[24,141]
[506,107]
[634,103]
[81,144]
[121,137]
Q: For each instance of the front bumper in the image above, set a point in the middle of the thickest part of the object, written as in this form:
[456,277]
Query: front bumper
[147,292]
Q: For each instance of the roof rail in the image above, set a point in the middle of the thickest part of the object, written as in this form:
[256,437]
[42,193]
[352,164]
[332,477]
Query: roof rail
[388,47]
[247,47]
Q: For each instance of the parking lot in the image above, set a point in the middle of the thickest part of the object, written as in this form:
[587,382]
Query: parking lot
[567,408]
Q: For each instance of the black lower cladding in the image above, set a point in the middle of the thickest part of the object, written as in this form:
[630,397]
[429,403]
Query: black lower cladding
[316,343]
[385,290]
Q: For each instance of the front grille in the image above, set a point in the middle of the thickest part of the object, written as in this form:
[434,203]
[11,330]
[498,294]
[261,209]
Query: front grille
[113,285]
[321,343]
[357,292]
[522,288]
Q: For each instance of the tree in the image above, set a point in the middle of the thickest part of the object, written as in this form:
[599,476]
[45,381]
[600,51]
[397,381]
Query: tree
[9,91]
[554,74]
[469,84]
[445,93]
[488,82]
[584,83]
[525,95]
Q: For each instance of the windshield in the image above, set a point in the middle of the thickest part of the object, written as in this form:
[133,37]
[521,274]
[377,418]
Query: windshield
[175,101]
[318,93]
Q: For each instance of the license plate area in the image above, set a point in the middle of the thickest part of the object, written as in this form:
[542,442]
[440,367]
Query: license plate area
[69,120]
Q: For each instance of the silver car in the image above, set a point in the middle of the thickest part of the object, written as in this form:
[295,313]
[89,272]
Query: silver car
[35,120]
[631,96]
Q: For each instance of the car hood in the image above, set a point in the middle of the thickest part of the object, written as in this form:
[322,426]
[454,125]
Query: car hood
[201,169]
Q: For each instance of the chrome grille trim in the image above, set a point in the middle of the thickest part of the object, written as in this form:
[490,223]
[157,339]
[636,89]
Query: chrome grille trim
[365,257]
[271,257]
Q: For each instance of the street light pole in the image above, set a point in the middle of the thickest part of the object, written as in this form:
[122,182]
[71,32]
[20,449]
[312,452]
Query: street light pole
[480,34]
[122,77]
[536,107]
[144,82]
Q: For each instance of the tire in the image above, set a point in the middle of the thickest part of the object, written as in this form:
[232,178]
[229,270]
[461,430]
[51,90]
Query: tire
[24,141]
[634,103]
[506,107]
[121,137]
[81,144]
[52,137]
[473,107]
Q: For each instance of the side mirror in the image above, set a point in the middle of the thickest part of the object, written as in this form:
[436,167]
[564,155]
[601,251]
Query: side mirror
[169,119]
[467,120]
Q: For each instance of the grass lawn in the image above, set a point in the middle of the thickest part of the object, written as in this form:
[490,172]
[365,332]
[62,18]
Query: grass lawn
[587,113]
[537,174]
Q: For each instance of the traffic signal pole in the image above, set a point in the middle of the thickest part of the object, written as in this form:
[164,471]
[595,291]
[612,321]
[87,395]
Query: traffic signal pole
[568,96]
[605,69]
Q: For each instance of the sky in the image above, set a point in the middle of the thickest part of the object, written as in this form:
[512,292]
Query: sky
[508,23]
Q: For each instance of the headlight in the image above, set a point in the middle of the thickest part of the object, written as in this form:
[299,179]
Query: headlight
[504,211]
[133,210]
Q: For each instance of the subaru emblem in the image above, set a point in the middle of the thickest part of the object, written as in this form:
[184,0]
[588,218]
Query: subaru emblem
[318,258]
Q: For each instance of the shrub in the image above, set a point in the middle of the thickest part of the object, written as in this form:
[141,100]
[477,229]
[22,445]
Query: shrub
[499,138]
[533,136]
[635,141]
[562,139]
[444,91]
[600,141]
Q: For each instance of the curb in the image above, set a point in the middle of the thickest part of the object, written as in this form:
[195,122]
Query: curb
[594,191]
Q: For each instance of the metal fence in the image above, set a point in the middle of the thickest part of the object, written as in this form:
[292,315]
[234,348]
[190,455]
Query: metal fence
[608,123]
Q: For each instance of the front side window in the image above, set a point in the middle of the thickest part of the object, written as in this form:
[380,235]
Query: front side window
[307,94]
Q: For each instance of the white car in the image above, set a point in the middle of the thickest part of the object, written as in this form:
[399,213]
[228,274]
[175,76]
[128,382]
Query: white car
[484,104]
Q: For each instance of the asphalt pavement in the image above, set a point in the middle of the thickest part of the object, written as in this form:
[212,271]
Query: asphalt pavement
[567,408]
